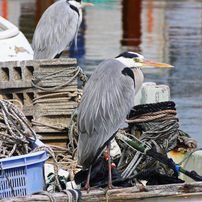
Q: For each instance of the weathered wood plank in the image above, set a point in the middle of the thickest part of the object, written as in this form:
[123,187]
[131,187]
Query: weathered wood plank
[172,192]
[55,137]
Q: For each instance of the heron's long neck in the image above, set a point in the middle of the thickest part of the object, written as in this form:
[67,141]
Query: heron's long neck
[139,78]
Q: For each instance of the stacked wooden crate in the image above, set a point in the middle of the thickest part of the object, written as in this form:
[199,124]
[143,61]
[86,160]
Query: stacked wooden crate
[35,84]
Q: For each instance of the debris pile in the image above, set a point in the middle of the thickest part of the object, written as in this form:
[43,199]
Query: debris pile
[151,126]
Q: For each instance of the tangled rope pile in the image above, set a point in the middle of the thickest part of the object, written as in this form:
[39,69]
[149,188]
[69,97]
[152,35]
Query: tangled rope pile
[15,139]
[15,133]
[157,122]
[66,162]
[158,126]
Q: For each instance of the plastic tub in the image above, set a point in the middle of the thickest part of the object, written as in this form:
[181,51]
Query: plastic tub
[24,172]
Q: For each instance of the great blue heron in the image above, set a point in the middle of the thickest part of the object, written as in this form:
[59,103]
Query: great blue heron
[57,28]
[107,98]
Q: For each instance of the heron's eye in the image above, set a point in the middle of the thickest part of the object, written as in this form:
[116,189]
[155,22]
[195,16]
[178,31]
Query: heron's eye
[136,60]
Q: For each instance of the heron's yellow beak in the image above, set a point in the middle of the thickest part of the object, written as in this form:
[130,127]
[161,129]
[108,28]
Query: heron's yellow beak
[150,64]
[84,4]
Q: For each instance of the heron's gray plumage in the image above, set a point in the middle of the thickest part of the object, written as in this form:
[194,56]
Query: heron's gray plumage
[106,101]
[107,98]
[56,29]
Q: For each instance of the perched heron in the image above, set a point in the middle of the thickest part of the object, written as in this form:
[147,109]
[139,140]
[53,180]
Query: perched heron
[107,99]
[57,28]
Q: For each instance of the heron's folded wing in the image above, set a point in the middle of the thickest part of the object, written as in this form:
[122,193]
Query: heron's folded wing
[55,30]
[107,98]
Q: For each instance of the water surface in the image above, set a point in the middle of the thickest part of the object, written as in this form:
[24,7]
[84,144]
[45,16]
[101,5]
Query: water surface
[165,31]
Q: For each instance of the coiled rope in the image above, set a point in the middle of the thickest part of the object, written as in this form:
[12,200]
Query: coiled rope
[159,128]
[152,107]
[74,195]
[15,134]
[76,72]
[158,123]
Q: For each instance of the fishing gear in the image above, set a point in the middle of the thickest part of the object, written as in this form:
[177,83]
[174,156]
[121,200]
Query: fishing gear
[160,157]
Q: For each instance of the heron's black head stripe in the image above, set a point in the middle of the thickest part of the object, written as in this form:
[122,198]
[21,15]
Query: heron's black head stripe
[129,72]
[78,1]
[74,8]
[127,55]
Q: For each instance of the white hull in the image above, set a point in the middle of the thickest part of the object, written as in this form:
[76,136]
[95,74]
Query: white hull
[13,44]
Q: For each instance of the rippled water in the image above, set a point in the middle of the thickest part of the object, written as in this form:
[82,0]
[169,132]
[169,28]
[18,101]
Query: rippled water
[166,31]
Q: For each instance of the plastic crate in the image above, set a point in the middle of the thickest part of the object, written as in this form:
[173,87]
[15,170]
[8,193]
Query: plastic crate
[25,173]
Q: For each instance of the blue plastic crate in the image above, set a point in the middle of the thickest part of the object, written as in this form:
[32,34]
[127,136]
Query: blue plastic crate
[25,173]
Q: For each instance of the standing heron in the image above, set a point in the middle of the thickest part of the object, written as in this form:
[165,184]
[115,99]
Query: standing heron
[57,28]
[107,99]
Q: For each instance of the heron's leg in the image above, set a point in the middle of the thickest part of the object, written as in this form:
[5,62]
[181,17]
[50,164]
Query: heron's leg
[110,186]
[87,186]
